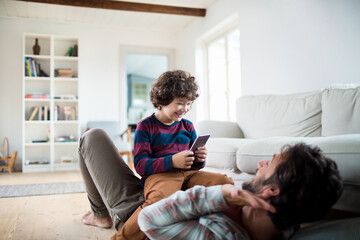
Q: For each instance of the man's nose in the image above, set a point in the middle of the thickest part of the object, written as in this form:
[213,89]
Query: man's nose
[263,163]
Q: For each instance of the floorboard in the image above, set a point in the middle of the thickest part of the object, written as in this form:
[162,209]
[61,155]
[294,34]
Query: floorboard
[46,217]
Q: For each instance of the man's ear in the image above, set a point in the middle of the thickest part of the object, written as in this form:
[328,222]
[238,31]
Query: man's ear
[269,191]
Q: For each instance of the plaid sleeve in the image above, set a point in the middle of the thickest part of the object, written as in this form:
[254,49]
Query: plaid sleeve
[190,215]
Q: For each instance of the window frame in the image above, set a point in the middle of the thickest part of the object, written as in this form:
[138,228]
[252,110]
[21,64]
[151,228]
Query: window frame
[224,33]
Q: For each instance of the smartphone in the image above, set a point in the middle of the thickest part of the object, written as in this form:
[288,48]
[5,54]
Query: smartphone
[200,141]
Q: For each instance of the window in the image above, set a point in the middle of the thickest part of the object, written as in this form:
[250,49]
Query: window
[223,75]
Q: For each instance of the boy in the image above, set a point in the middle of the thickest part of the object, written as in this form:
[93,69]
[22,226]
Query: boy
[161,147]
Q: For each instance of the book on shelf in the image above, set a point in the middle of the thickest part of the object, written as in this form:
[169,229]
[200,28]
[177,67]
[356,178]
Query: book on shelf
[40,113]
[33,68]
[44,113]
[39,141]
[65,113]
[73,51]
[33,113]
[57,113]
[68,53]
[42,161]
[70,113]
[38,95]
[68,97]
[64,72]
[69,138]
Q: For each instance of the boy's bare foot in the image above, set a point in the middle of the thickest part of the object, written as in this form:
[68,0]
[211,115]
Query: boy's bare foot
[90,219]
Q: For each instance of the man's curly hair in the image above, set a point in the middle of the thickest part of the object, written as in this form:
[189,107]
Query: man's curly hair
[309,184]
[172,84]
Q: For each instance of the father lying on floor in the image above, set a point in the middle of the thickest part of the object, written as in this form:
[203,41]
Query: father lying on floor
[298,185]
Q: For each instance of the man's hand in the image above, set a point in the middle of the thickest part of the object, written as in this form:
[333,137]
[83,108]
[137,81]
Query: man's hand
[183,159]
[235,196]
[200,154]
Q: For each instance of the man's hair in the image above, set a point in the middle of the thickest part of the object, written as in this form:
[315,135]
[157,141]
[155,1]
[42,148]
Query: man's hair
[172,84]
[309,185]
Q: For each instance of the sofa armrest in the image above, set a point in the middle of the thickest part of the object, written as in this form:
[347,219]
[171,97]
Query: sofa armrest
[221,129]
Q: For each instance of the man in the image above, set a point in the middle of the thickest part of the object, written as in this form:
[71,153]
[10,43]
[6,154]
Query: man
[299,185]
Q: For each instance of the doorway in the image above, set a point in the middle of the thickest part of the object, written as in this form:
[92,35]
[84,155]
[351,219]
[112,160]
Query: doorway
[140,66]
[141,71]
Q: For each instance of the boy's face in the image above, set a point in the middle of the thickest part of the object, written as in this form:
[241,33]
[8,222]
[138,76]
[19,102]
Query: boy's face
[175,111]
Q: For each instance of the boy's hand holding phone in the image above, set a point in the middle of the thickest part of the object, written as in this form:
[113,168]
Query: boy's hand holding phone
[183,159]
[200,154]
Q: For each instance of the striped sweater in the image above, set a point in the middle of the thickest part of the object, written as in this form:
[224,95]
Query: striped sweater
[155,143]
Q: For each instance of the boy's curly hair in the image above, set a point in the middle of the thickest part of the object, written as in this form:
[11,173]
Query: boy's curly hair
[172,84]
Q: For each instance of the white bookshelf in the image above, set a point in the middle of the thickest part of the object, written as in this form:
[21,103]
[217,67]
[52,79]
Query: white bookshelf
[48,156]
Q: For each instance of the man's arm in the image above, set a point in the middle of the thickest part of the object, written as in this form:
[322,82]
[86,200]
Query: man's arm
[190,215]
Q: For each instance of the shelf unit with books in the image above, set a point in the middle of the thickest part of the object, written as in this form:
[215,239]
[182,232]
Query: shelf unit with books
[51,128]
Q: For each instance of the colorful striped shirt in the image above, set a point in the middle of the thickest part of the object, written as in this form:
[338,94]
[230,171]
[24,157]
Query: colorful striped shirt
[191,214]
[155,143]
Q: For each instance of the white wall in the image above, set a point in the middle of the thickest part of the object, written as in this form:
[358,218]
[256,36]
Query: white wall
[99,64]
[286,46]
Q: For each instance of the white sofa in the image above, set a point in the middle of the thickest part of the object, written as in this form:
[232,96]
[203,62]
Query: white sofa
[329,118]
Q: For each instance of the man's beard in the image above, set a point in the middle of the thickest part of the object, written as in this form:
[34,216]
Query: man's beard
[253,186]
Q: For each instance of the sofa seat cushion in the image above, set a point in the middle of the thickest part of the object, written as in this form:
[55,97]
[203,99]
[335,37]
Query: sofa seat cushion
[222,152]
[296,115]
[343,149]
[237,176]
[340,111]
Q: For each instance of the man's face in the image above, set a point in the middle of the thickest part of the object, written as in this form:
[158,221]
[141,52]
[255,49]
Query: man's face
[265,170]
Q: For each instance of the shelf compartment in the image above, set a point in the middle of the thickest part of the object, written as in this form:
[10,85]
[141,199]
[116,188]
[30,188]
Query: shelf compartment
[66,110]
[31,104]
[36,132]
[62,45]
[36,86]
[43,61]
[43,41]
[66,131]
[64,64]
[37,155]
[65,155]
[66,89]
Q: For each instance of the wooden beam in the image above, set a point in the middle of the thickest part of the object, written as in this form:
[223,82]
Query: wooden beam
[127,6]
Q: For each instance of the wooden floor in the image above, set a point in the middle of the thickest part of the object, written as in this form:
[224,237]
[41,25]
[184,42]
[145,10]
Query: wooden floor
[46,217]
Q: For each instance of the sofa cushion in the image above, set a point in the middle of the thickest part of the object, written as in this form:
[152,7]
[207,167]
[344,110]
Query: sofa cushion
[340,111]
[237,176]
[222,152]
[343,149]
[296,115]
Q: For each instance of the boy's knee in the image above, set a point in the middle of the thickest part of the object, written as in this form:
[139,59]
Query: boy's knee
[224,179]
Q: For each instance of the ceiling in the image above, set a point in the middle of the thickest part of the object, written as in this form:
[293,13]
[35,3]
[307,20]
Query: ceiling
[117,18]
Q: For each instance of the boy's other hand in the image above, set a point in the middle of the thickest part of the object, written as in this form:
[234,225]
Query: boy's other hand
[183,159]
[200,154]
